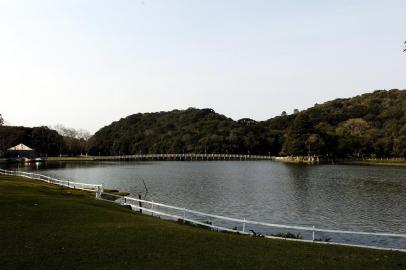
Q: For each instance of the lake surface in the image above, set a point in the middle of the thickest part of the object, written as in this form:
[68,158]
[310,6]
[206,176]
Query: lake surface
[345,197]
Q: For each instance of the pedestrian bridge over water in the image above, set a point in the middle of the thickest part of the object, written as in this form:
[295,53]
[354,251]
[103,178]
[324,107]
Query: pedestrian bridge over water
[190,157]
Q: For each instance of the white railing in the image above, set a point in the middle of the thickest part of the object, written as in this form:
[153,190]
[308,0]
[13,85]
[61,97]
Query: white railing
[241,225]
[185,215]
[190,156]
[51,180]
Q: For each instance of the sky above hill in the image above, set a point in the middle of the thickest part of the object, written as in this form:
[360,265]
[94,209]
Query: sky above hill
[86,63]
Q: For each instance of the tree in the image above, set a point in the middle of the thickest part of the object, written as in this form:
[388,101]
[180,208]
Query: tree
[42,139]
[400,146]
[371,124]
[298,133]
[1,120]
[315,144]
[75,141]
[353,139]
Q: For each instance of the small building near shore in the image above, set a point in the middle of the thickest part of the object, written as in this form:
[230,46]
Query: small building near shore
[21,151]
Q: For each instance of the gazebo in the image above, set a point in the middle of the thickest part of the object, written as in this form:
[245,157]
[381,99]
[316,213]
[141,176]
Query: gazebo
[21,151]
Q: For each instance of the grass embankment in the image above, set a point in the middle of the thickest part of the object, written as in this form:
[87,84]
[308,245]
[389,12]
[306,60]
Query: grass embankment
[48,227]
[380,162]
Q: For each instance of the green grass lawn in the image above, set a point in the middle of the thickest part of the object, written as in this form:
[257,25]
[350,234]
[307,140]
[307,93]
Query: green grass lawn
[46,227]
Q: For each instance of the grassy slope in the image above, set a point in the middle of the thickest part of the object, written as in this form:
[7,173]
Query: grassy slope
[46,227]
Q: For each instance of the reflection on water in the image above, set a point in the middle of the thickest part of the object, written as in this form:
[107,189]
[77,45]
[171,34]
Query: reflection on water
[362,198]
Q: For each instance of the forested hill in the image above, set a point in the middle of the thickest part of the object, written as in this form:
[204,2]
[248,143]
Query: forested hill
[372,124]
[186,131]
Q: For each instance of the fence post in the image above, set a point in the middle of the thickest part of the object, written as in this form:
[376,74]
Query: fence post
[184,214]
[140,203]
[152,207]
[98,192]
[313,233]
[243,226]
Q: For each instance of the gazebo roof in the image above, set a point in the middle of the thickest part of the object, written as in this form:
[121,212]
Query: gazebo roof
[20,147]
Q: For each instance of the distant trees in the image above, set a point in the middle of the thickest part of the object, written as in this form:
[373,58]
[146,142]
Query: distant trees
[188,131]
[353,136]
[315,144]
[371,125]
[297,135]
[75,140]
[44,140]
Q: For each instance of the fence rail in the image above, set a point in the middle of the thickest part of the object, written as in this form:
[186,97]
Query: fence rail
[48,179]
[183,214]
[245,221]
[200,218]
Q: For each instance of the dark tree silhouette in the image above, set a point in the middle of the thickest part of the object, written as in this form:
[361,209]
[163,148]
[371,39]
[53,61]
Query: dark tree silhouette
[369,125]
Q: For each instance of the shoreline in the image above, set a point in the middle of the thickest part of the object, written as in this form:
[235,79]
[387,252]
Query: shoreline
[53,212]
[292,160]
[373,162]
[369,162]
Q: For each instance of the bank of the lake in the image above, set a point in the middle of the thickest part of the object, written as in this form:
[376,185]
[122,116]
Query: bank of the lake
[374,162]
[347,161]
[49,227]
[288,159]
[342,197]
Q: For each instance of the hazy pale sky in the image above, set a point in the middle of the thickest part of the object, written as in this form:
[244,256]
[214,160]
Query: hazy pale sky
[87,63]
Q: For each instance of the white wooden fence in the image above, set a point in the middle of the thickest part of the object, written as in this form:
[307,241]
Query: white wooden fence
[48,179]
[197,217]
[240,225]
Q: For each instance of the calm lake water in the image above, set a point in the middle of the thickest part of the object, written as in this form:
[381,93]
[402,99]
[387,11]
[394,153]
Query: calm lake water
[345,197]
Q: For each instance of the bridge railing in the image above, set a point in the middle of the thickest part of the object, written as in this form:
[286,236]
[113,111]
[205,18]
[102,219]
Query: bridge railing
[190,156]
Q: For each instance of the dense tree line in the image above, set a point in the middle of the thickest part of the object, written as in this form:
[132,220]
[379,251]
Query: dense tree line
[75,140]
[45,141]
[183,131]
[370,125]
